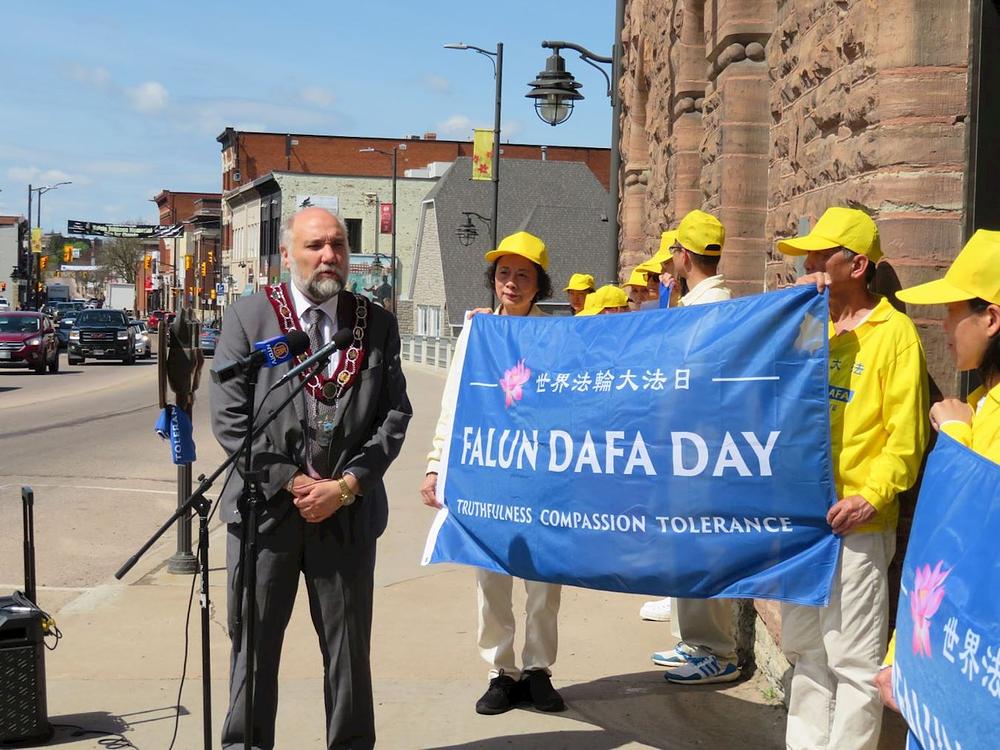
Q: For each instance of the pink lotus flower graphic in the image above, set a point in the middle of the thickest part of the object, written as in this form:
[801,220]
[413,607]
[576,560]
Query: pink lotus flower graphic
[928,591]
[512,383]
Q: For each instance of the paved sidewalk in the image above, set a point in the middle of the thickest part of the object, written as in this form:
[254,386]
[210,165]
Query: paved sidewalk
[118,666]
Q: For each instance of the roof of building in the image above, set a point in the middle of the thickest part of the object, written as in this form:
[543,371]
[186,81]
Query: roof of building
[561,202]
[11,220]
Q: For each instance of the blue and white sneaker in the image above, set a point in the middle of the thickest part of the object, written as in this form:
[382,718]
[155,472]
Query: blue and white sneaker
[674,657]
[703,670]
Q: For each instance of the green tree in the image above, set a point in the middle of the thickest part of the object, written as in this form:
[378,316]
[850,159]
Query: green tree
[121,256]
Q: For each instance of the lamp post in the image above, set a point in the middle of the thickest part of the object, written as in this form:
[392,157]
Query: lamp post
[497,59]
[555,92]
[393,155]
[31,299]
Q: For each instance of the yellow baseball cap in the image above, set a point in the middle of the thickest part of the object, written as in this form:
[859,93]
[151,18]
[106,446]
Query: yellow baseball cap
[838,227]
[974,273]
[579,282]
[698,231]
[636,278]
[524,244]
[605,297]
[651,266]
[664,254]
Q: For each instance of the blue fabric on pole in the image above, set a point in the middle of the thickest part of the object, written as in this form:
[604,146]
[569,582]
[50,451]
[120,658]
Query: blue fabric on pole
[665,290]
[607,453]
[946,676]
[174,424]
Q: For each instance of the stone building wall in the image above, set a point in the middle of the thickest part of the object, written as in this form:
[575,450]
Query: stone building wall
[766,112]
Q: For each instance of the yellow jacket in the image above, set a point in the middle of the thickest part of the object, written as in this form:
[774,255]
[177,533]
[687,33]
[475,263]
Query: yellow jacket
[878,411]
[982,436]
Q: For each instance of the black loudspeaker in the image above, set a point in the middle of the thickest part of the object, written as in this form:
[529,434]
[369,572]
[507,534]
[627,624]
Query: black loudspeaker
[23,713]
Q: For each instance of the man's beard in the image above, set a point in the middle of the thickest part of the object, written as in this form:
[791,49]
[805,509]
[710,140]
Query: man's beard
[320,289]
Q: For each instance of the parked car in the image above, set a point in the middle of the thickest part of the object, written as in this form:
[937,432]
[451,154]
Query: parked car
[154,320]
[4,304]
[28,339]
[101,334]
[209,336]
[143,343]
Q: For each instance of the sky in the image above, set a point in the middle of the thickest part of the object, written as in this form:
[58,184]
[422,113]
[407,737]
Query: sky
[126,98]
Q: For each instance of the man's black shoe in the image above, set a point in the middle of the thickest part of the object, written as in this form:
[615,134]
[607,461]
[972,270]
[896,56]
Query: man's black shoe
[499,697]
[539,687]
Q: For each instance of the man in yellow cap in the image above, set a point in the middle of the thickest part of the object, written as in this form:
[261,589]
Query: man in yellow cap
[579,286]
[878,407]
[706,649]
[607,299]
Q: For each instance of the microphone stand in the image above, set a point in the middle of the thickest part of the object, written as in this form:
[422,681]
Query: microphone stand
[198,503]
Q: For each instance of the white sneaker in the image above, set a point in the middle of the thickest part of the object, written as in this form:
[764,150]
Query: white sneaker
[658,611]
[703,670]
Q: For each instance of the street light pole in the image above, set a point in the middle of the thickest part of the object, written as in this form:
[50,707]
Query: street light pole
[29,261]
[394,157]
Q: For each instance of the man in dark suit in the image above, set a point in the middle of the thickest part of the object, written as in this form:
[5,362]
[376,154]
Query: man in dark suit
[324,501]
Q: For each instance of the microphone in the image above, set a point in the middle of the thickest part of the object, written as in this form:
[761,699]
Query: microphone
[268,353]
[340,339]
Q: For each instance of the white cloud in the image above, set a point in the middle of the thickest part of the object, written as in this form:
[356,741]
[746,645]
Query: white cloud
[456,125]
[316,95]
[211,116]
[37,175]
[149,97]
[510,130]
[437,84]
[96,76]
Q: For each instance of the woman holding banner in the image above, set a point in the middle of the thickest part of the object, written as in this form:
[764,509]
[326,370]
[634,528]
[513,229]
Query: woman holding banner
[518,275]
[971,291]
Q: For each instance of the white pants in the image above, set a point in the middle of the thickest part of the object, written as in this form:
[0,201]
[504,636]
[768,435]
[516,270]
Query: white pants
[705,626]
[836,651]
[496,623]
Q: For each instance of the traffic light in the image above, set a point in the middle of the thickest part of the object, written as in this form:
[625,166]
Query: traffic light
[67,253]
[43,262]
[211,256]
[188,262]
[3,286]
[204,268]
[212,294]
[148,262]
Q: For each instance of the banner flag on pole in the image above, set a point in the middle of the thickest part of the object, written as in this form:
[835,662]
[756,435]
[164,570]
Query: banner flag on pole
[683,452]
[946,674]
[482,154]
[36,240]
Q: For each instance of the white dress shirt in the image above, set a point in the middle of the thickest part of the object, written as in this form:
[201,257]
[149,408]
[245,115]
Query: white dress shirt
[329,325]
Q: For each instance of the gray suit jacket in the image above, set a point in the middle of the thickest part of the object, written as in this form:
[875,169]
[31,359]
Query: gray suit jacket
[370,421]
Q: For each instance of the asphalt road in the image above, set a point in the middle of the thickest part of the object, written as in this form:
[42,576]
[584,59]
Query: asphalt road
[83,440]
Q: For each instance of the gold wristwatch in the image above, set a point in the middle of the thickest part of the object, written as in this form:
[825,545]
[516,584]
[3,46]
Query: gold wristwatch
[346,496]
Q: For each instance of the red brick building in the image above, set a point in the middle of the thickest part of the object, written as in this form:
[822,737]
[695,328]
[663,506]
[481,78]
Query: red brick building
[249,155]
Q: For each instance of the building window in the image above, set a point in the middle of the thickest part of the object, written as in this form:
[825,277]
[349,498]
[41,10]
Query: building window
[428,320]
[353,234]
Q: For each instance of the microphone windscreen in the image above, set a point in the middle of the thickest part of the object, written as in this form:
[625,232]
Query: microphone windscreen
[298,342]
[343,337]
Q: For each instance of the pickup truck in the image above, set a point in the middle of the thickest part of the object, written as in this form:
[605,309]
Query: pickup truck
[101,334]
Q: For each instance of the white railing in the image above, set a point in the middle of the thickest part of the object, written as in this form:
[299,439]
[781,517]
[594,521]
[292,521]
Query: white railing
[435,351]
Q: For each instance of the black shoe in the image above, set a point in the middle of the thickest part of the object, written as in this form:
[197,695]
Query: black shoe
[539,688]
[499,697]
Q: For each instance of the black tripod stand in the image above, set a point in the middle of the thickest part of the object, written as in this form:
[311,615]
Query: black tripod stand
[198,503]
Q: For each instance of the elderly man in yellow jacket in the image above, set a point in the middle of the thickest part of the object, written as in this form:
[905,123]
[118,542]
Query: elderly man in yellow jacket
[878,402]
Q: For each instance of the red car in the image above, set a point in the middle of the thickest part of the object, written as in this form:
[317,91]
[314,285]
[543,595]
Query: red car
[158,315]
[28,339]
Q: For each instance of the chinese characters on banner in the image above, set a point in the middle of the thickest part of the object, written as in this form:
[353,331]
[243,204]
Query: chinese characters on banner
[946,675]
[686,450]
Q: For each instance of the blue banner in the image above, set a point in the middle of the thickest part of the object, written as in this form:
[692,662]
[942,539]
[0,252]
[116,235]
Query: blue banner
[681,452]
[946,675]
[174,424]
